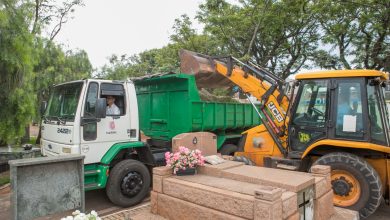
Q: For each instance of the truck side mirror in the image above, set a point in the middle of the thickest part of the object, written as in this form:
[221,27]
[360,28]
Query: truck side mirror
[42,108]
[101,105]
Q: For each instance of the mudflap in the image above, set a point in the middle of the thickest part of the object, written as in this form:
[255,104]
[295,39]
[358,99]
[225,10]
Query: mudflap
[152,156]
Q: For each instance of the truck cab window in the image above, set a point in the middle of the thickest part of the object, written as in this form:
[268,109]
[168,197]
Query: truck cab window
[90,129]
[63,102]
[90,102]
[115,96]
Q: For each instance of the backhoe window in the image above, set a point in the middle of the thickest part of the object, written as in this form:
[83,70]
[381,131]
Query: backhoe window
[311,108]
[349,116]
[377,132]
[63,102]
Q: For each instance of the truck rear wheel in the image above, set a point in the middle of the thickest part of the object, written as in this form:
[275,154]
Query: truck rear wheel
[228,149]
[128,183]
[356,184]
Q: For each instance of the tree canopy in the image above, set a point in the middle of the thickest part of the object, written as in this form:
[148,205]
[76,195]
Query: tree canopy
[31,62]
[283,36]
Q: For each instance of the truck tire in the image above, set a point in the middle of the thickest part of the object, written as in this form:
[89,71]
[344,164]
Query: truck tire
[128,183]
[245,160]
[228,149]
[356,184]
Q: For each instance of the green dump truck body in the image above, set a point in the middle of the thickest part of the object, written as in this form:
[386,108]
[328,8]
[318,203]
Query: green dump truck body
[170,105]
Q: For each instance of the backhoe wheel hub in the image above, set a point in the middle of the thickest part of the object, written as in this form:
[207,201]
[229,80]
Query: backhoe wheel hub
[131,184]
[346,188]
[341,186]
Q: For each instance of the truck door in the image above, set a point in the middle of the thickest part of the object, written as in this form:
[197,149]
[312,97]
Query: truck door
[97,136]
[309,115]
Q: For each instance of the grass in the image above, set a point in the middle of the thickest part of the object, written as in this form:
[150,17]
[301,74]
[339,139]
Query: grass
[32,140]
[4,177]
[4,180]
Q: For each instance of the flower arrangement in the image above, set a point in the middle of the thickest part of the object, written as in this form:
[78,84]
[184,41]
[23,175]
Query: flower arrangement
[183,159]
[77,215]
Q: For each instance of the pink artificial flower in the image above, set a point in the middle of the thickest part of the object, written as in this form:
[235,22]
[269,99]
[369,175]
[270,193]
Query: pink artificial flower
[184,158]
[167,155]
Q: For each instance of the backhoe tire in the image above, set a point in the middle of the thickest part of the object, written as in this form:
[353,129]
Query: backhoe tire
[228,149]
[246,160]
[356,184]
[128,183]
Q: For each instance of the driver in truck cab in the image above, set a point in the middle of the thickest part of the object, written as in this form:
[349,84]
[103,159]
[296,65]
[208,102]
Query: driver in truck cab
[112,109]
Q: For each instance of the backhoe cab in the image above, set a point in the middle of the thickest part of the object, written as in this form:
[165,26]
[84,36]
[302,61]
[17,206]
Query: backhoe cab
[338,118]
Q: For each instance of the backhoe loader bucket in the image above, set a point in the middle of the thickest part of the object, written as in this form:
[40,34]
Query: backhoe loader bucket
[203,67]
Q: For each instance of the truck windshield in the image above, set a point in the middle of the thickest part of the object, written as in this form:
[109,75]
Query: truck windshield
[63,102]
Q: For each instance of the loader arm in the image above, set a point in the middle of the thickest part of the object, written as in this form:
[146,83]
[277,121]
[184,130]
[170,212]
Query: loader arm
[212,72]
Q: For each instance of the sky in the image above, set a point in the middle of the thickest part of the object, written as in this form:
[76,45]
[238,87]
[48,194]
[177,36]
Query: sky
[106,27]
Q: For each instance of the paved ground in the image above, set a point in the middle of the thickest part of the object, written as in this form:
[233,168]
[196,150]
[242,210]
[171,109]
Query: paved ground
[382,213]
[98,201]
[94,200]
[141,212]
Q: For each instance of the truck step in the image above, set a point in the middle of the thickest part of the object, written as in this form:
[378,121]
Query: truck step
[91,186]
[91,172]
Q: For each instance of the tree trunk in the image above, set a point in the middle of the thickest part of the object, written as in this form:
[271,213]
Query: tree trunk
[26,138]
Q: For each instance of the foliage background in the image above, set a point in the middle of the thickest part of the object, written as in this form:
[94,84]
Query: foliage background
[30,62]
[281,35]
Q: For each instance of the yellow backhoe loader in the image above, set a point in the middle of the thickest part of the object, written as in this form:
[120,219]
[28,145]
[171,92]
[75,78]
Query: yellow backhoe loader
[338,118]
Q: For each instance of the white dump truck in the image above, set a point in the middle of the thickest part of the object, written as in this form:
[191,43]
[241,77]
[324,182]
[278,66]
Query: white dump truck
[75,122]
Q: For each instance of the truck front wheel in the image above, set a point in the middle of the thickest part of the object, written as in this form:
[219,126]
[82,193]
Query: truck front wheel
[356,185]
[128,183]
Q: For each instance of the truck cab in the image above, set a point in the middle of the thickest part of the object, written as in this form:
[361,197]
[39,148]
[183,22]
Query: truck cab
[75,122]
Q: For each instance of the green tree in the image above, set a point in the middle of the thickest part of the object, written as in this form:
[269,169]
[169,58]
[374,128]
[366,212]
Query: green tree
[283,36]
[51,13]
[162,60]
[185,37]
[56,66]
[278,35]
[152,61]
[354,34]
[16,68]
[29,63]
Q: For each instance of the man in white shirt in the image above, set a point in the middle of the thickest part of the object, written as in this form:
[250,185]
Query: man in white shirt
[112,109]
